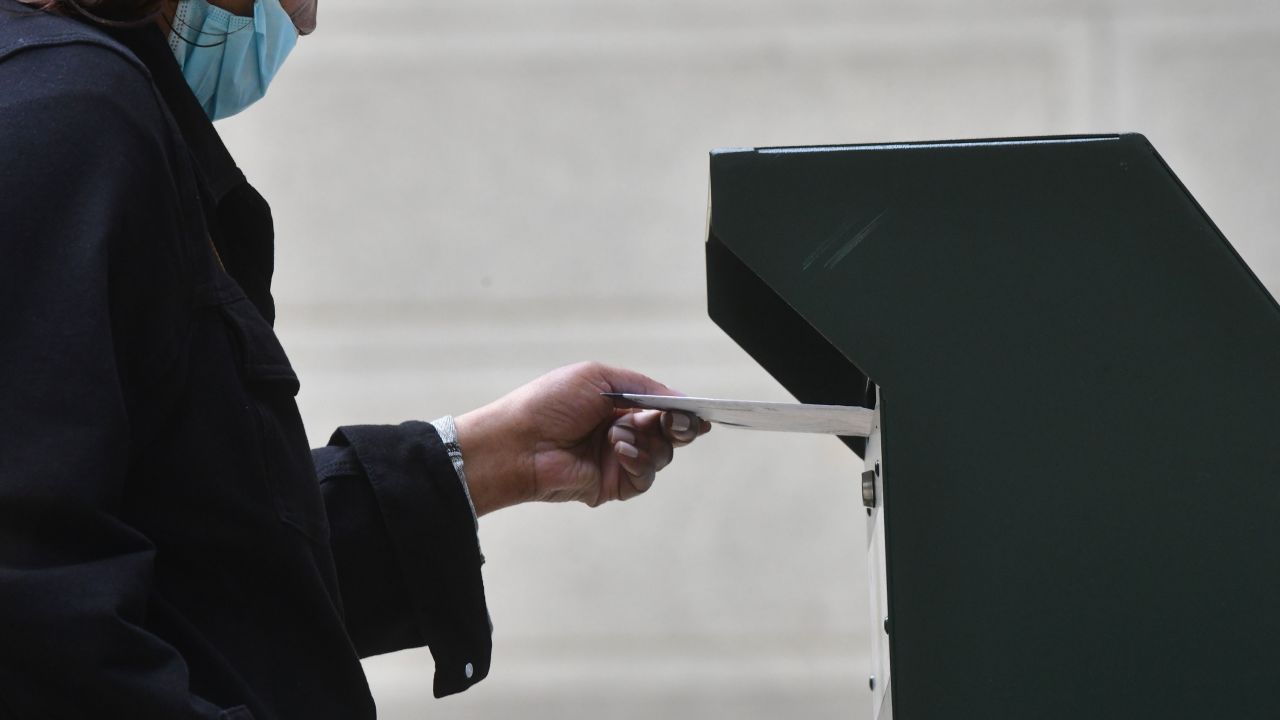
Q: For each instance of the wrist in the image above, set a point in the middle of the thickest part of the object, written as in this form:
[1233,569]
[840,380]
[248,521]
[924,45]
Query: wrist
[498,459]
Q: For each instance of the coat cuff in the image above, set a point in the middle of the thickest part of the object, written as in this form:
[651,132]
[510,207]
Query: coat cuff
[433,536]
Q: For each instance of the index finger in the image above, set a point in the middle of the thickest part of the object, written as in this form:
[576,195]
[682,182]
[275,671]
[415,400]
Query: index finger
[683,428]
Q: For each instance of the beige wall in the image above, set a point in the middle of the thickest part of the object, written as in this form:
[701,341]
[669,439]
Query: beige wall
[470,193]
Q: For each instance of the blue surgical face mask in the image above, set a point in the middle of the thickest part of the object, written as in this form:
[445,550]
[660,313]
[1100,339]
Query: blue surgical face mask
[229,60]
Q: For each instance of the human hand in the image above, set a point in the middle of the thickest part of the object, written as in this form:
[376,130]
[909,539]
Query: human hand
[556,439]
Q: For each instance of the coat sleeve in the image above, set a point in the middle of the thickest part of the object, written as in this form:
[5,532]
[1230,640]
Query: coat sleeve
[88,220]
[404,541]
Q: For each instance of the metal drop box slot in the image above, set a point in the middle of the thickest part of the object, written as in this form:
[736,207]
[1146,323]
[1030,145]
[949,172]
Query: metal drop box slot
[1076,378]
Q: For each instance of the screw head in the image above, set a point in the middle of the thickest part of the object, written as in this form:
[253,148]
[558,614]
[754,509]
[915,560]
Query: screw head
[872,683]
[869,489]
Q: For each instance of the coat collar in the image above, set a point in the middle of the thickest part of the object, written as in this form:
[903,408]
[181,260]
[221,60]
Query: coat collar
[215,164]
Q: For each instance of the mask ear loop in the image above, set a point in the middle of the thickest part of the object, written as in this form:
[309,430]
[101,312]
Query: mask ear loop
[182,21]
[169,24]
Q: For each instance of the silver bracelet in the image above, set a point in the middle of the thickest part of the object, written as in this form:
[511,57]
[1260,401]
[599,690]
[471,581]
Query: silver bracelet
[449,436]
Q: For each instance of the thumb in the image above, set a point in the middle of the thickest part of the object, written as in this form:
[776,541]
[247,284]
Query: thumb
[620,380]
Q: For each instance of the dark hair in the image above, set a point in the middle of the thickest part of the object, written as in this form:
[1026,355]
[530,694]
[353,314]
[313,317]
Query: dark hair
[106,12]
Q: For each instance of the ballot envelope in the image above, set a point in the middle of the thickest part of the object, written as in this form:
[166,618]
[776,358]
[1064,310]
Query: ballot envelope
[1072,481]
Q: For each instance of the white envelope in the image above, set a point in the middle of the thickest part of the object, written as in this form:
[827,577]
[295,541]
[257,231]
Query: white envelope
[850,421]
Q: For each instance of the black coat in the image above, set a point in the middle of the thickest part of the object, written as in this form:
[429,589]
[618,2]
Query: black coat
[169,545]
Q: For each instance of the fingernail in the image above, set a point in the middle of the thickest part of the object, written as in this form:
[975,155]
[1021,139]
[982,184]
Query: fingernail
[625,448]
[679,422]
[620,434]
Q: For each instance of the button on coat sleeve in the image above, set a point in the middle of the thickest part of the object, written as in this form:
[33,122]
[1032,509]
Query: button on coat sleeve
[404,540]
[87,207]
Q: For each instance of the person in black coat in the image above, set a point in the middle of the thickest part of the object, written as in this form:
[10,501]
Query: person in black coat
[170,547]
